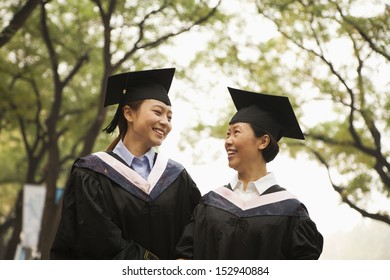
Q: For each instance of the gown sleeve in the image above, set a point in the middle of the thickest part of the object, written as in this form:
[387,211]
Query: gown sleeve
[185,246]
[87,230]
[306,241]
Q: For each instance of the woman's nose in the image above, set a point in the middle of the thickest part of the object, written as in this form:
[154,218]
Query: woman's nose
[164,120]
[228,141]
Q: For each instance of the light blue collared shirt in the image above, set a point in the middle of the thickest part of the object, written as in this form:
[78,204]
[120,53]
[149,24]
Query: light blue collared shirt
[254,189]
[143,168]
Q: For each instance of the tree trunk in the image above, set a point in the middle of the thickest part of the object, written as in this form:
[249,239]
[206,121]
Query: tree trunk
[15,238]
[46,236]
[49,228]
[49,213]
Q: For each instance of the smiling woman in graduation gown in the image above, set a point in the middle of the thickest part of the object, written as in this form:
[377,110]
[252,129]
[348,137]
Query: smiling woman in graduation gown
[112,211]
[252,217]
[223,227]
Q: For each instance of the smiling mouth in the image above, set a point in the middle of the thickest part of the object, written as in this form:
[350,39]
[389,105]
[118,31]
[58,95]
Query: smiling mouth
[231,153]
[159,132]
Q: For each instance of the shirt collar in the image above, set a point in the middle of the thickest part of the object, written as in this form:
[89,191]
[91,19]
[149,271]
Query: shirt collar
[261,185]
[121,150]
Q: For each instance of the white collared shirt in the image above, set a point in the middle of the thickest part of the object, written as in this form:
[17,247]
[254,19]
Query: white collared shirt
[254,189]
[121,150]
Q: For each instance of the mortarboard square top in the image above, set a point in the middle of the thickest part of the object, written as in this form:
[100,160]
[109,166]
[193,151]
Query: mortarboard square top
[139,85]
[272,113]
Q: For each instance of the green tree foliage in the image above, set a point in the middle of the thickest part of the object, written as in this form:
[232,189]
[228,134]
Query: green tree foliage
[354,143]
[326,54]
[53,72]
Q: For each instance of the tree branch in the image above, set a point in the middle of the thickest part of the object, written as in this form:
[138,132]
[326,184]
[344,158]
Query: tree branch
[165,37]
[321,56]
[79,63]
[362,33]
[18,20]
[46,37]
[345,199]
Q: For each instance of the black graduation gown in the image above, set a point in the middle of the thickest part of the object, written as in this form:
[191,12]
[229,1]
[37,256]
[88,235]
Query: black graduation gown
[278,229]
[106,216]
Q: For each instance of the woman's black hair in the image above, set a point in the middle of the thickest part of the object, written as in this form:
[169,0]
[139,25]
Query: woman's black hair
[122,123]
[272,149]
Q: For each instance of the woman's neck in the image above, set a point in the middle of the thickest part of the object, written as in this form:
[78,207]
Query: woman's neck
[135,147]
[252,174]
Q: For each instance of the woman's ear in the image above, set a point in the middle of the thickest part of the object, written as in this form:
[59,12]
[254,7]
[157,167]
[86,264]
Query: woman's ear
[264,141]
[128,113]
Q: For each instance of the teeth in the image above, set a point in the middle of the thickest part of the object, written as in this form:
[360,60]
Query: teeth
[159,131]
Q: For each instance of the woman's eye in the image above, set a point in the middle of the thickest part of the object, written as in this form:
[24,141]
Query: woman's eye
[158,113]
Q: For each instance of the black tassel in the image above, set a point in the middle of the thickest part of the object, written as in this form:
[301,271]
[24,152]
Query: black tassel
[114,123]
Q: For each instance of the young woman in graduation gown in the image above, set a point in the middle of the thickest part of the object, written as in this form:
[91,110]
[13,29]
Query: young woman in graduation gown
[128,202]
[252,217]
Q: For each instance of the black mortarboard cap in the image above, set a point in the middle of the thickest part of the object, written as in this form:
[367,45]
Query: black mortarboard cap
[134,86]
[139,85]
[272,113]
